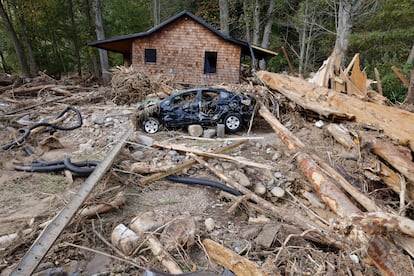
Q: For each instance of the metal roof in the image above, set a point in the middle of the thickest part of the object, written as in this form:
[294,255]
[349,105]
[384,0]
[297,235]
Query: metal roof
[122,44]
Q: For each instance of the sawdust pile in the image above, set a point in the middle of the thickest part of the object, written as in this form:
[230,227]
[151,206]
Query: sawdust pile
[129,85]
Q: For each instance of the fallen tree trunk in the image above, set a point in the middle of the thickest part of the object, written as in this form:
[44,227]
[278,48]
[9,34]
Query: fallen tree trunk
[394,156]
[395,122]
[379,248]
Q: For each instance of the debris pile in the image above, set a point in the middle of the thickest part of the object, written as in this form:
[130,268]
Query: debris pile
[322,186]
[131,86]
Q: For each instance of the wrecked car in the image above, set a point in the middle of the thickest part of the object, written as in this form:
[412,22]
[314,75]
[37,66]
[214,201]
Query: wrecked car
[203,106]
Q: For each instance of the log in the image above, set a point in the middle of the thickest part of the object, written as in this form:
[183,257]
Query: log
[393,155]
[114,203]
[212,155]
[125,239]
[339,203]
[163,256]
[178,168]
[322,183]
[341,135]
[231,260]
[393,180]
[395,122]
[377,222]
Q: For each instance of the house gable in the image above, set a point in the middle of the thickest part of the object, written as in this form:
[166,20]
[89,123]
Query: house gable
[181,48]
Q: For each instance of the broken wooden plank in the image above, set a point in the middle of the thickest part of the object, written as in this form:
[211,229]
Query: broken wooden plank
[45,240]
[395,122]
[213,155]
[231,260]
[188,164]
[400,75]
[379,83]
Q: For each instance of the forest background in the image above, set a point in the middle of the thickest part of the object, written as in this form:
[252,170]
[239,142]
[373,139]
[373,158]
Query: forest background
[52,35]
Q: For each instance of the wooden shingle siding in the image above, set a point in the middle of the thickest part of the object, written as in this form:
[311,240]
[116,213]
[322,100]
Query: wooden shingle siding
[181,48]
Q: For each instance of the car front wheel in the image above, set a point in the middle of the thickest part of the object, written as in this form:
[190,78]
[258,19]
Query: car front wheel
[232,122]
[151,125]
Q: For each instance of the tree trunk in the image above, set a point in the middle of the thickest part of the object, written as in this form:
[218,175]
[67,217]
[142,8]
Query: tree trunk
[91,30]
[100,34]
[343,28]
[409,99]
[303,40]
[269,23]
[30,56]
[267,31]
[256,22]
[156,12]
[75,38]
[410,58]
[16,42]
[246,21]
[6,68]
[224,17]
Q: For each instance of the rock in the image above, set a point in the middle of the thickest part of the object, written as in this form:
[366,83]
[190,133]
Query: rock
[259,188]
[139,155]
[209,224]
[145,222]
[209,133]
[267,235]
[278,192]
[228,166]
[276,156]
[144,140]
[98,119]
[195,130]
[241,178]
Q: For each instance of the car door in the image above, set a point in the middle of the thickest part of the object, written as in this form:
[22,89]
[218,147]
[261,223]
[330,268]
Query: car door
[209,105]
[182,109]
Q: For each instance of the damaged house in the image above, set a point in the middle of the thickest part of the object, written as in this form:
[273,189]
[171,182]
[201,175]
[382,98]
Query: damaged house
[187,48]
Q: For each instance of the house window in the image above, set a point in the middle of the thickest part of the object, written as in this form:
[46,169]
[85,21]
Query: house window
[210,62]
[150,56]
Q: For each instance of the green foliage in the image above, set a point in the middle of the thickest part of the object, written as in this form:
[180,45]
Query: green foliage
[277,64]
[391,85]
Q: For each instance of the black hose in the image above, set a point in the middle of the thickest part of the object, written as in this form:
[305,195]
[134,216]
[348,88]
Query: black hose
[26,131]
[82,168]
[205,182]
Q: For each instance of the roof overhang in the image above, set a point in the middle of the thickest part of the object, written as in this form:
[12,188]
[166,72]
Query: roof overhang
[123,44]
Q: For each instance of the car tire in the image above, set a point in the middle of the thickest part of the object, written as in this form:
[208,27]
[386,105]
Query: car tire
[232,122]
[151,125]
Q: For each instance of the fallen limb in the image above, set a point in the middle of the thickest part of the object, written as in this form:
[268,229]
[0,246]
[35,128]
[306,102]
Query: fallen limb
[338,202]
[283,214]
[393,180]
[114,203]
[395,122]
[341,135]
[157,176]
[231,260]
[377,222]
[212,155]
[394,156]
[322,183]
[163,256]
